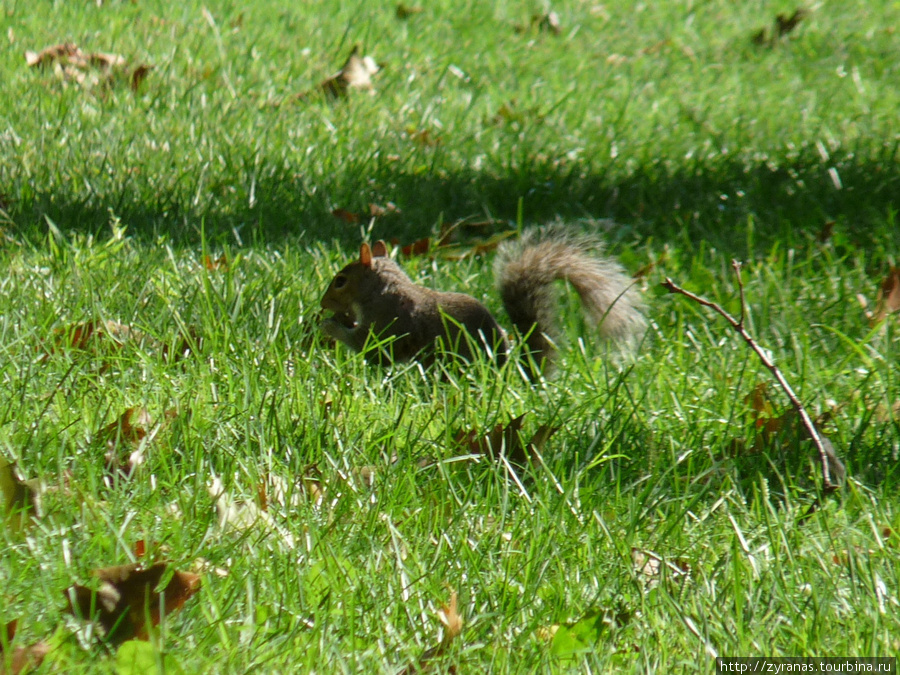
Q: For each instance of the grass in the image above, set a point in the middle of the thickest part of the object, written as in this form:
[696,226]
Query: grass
[701,146]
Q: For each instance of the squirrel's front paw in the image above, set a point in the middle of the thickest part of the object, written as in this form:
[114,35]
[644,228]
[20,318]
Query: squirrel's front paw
[335,330]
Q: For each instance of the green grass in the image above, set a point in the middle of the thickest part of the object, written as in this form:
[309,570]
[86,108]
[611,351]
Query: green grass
[701,146]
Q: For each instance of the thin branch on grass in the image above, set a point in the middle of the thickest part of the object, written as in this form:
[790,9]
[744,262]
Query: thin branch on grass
[833,471]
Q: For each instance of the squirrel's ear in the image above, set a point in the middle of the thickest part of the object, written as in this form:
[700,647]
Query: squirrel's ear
[379,250]
[365,255]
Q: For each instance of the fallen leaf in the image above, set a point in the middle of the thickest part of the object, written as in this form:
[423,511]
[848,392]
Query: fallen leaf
[759,37]
[449,616]
[23,659]
[403,12]
[550,23]
[21,499]
[888,300]
[423,137]
[656,47]
[70,63]
[885,413]
[645,271]
[651,565]
[826,232]
[220,263]
[128,596]
[452,623]
[507,442]
[784,23]
[131,433]
[139,75]
[186,344]
[50,54]
[95,335]
[582,635]
[241,515]
[759,401]
[377,211]
[347,216]
[420,247]
[356,73]
[545,23]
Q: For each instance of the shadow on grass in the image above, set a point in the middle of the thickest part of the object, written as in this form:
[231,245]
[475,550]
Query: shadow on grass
[723,203]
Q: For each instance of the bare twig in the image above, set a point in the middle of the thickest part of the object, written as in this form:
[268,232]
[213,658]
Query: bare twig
[833,471]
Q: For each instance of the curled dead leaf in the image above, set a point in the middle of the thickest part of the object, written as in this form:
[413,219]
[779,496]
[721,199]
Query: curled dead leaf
[452,624]
[645,271]
[220,263]
[127,439]
[544,23]
[403,12]
[129,595]
[22,659]
[356,73]
[21,498]
[70,63]
[507,442]
[786,23]
[424,137]
[138,76]
[378,211]
[347,216]
[50,54]
[888,300]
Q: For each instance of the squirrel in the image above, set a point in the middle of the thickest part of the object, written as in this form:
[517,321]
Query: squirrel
[374,295]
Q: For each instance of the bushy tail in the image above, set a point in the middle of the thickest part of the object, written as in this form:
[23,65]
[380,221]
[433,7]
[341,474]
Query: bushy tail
[526,269]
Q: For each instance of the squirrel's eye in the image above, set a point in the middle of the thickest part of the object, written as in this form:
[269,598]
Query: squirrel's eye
[340,281]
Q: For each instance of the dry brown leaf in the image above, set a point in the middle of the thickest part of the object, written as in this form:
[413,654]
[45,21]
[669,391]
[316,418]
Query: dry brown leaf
[378,211]
[651,565]
[759,401]
[23,659]
[347,216]
[96,335]
[449,616]
[125,450]
[139,75]
[885,413]
[760,37]
[888,300]
[128,596]
[423,137]
[132,427]
[656,47]
[545,23]
[356,73]
[645,271]
[507,441]
[784,23]
[86,68]
[453,623]
[826,232]
[420,247]
[403,12]
[50,54]
[220,263]
[21,498]
[185,345]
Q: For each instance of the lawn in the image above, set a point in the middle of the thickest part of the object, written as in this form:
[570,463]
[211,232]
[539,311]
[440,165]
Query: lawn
[165,241]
